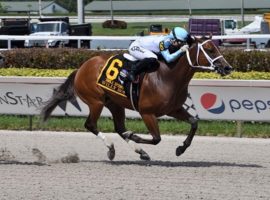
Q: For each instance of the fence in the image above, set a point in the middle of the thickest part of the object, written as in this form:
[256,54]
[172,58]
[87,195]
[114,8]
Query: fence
[10,38]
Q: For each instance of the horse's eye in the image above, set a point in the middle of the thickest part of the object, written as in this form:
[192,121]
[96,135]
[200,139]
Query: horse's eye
[209,49]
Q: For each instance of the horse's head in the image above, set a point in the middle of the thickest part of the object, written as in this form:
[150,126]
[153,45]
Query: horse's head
[2,59]
[206,56]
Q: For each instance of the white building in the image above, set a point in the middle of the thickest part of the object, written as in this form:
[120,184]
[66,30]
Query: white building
[159,5]
[47,7]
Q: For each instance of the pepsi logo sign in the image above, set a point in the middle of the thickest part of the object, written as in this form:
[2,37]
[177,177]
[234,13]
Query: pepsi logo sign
[216,105]
[212,104]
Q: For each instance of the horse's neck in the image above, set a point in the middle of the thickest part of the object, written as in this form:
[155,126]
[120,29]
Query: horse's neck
[182,72]
[176,78]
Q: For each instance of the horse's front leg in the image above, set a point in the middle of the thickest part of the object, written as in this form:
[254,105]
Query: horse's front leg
[119,117]
[182,114]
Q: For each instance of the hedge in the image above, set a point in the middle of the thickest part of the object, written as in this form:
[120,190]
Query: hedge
[65,72]
[43,58]
[68,58]
[243,61]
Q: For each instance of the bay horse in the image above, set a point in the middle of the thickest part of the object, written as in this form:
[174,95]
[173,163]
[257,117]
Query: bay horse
[163,92]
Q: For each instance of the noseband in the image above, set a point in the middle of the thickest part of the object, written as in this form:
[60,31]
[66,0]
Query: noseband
[211,61]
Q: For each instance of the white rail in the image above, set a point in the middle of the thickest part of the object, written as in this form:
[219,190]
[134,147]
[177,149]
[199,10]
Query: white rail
[10,38]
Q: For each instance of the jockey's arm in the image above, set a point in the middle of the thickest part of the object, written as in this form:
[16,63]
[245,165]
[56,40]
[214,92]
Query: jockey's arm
[171,57]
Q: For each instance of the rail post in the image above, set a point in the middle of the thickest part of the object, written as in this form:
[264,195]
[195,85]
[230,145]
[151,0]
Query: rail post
[30,122]
[248,43]
[79,44]
[9,44]
[239,125]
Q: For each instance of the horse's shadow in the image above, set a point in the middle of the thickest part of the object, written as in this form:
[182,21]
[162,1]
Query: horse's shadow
[161,163]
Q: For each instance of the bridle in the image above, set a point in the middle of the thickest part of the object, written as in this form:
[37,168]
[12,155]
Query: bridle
[211,61]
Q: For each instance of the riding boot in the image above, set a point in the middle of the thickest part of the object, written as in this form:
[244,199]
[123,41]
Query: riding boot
[132,74]
[144,65]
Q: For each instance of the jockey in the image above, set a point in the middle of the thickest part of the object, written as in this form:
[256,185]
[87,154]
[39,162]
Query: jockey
[146,49]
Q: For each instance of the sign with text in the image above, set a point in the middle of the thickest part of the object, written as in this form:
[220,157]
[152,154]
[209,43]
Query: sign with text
[232,103]
[208,99]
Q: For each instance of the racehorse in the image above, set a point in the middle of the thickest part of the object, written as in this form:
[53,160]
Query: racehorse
[163,92]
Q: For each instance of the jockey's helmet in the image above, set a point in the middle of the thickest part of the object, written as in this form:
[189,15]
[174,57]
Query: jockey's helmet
[179,33]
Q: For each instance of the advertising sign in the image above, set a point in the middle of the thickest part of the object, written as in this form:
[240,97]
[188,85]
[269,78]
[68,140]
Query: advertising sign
[232,103]
[208,99]
[27,97]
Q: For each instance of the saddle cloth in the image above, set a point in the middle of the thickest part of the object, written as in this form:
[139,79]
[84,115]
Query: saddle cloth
[113,78]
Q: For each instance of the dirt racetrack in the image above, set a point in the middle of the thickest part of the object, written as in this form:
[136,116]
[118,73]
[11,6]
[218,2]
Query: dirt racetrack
[55,165]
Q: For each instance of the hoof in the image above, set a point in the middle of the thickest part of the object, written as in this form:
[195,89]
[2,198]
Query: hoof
[127,135]
[111,152]
[180,150]
[143,155]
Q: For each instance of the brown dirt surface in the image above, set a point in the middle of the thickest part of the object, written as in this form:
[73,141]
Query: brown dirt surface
[59,165]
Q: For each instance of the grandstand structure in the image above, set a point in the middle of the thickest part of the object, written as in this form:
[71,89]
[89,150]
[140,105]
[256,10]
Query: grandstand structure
[179,5]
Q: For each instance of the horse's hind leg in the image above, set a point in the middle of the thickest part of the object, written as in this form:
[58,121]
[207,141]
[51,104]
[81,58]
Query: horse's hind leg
[182,114]
[91,125]
[118,114]
[151,123]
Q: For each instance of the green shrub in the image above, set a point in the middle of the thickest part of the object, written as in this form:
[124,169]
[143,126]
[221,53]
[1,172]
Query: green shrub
[234,75]
[66,58]
[35,72]
[43,58]
[248,61]
[115,24]
[66,72]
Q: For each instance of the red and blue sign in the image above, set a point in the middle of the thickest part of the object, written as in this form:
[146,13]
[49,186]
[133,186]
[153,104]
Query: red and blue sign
[212,103]
[215,104]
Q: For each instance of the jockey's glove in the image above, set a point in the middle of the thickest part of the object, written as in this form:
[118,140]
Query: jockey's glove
[184,48]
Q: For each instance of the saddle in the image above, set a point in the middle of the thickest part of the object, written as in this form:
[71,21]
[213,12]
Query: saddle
[113,77]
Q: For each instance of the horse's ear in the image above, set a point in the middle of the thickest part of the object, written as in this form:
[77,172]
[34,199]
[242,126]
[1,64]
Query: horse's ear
[190,39]
[209,36]
[198,39]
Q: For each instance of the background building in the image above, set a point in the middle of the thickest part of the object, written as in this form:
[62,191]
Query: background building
[47,7]
[172,5]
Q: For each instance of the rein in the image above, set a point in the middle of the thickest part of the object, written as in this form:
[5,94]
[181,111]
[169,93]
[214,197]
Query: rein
[209,59]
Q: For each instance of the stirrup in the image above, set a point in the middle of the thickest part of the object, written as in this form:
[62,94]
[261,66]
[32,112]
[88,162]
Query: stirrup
[135,80]
[131,77]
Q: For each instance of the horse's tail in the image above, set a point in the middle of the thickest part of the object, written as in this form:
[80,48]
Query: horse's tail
[63,93]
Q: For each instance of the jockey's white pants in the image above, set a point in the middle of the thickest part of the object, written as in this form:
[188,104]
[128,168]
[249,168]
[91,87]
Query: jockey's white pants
[139,52]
